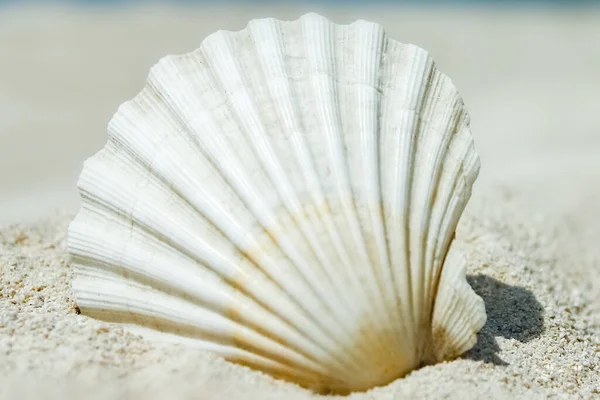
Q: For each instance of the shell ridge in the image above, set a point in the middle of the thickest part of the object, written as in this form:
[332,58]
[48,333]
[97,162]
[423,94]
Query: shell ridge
[409,237]
[319,42]
[384,110]
[290,121]
[295,257]
[254,208]
[384,118]
[287,196]
[185,319]
[311,35]
[419,71]
[99,307]
[295,125]
[435,158]
[268,64]
[419,219]
[457,301]
[181,249]
[441,221]
[232,354]
[292,204]
[291,125]
[338,37]
[330,229]
[377,213]
[455,206]
[399,321]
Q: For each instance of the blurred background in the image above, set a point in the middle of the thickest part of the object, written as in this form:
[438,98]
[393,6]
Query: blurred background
[529,73]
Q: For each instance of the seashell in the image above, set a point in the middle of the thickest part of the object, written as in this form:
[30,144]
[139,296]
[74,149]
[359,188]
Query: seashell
[286,196]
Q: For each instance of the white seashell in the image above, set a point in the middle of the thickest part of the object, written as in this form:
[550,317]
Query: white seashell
[286,196]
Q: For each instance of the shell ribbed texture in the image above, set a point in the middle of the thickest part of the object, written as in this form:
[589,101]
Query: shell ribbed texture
[286,196]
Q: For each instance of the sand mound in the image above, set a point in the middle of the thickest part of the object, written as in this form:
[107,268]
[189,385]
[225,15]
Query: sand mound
[533,268]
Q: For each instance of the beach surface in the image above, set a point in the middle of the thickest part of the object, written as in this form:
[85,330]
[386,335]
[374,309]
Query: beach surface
[530,232]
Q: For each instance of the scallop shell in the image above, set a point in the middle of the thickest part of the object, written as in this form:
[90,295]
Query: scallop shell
[286,196]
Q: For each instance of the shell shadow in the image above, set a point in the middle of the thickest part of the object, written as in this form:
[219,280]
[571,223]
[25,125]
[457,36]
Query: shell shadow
[512,312]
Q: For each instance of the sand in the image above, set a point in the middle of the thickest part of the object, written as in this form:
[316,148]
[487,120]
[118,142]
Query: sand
[530,232]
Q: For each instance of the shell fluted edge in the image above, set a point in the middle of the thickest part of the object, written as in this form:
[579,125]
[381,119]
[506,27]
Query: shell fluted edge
[286,196]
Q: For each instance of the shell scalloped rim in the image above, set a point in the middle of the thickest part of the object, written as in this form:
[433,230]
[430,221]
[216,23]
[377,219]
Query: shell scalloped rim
[286,197]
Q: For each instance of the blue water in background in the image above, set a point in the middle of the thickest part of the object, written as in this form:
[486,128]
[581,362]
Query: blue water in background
[561,3]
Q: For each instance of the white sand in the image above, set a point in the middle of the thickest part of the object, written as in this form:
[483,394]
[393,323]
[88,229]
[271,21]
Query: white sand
[531,231]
